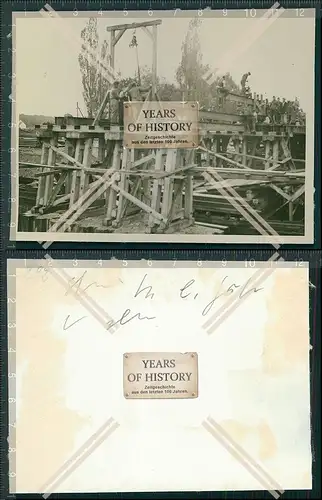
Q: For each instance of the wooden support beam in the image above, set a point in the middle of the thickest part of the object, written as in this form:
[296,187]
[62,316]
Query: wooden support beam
[139,203]
[123,184]
[49,180]
[41,181]
[62,153]
[154,61]
[267,154]
[188,189]
[148,32]
[83,182]
[74,192]
[61,199]
[156,188]
[58,187]
[84,201]
[69,149]
[298,193]
[275,154]
[111,194]
[134,193]
[117,37]
[177,192]
[170,165]
[281,192]
[132,26]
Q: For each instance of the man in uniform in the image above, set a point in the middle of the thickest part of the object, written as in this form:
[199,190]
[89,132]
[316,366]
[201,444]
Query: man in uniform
[135,92]
[114,96]
[243,82]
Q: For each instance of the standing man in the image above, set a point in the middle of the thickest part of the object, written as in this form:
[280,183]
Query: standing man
[136,92]
[278,111]
[114,96]
[273,109]
[243,82]
[221,90]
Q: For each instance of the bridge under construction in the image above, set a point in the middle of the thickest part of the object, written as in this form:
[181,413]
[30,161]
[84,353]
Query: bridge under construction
[88,182]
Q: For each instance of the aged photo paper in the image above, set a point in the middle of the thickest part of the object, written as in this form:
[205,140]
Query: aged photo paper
[70,424]
[170,127]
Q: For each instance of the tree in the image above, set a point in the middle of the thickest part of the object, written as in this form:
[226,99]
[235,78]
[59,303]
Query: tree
[166,91]
[191,71]
[92,59]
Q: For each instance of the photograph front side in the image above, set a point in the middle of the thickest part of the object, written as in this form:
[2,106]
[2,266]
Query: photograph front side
[236,167]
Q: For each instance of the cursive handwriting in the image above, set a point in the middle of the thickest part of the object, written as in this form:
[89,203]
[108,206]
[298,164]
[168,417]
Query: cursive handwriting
[124,319]
[147,289]
[225,290]
[78,282]
[65,327]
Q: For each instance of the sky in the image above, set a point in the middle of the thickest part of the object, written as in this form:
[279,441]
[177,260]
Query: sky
[48,80]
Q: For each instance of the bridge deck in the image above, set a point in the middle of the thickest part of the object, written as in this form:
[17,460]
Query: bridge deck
[75,128]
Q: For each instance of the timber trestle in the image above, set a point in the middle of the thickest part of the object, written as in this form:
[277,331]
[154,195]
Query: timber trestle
[76,158]
[87,180]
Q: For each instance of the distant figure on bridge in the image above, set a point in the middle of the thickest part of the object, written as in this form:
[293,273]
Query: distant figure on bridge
[244,84]
[284,111]
[222,82]
[114,96]
[135,92]
[222,90]
[273,110]
[254,121]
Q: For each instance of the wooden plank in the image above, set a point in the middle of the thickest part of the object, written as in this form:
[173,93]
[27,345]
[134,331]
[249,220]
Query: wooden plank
[188,189]
[83,181]
[41,181]
[111,194]
[139,203]
[89,195]
[61,199]
[122,184]
[69,149]
[117,38]
[170,166]
[49,181]
[130,26]
[143,160]
[74,184]
[57,188]
[156,188]
[154,60]
[59,152]
[280,191]
[275,154]
[137,186]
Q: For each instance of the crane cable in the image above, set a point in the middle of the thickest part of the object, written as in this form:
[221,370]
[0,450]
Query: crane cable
[134,44]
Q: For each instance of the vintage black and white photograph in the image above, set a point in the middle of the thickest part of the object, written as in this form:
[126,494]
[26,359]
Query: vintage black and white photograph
[246,174]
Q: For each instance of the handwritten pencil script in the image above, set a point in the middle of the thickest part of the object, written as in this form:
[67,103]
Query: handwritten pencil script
[188,291]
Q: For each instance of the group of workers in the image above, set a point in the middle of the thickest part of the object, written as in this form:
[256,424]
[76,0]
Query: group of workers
[275,112]
[117,96]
